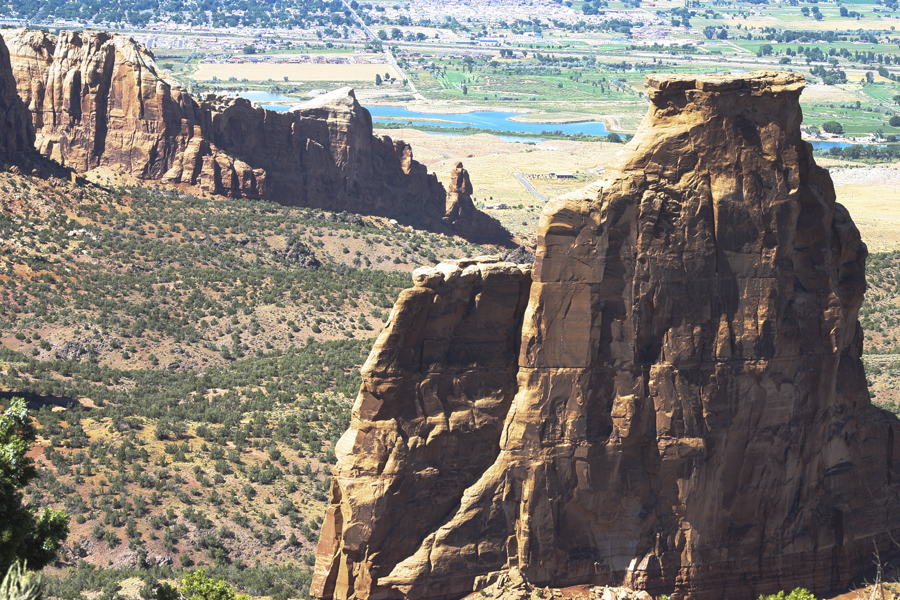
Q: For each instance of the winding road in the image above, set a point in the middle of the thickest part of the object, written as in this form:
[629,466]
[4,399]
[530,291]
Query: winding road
[529,187]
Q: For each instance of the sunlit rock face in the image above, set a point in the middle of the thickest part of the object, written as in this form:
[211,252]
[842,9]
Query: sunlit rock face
[99,100]
[690,413]
[428,419]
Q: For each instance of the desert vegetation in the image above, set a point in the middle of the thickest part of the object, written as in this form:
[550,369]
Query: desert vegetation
[190,363]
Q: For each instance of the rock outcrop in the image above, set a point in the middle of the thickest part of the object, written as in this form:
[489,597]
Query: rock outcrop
[428,418]
[16,130]
[690,415]
[461,214]
[97,99]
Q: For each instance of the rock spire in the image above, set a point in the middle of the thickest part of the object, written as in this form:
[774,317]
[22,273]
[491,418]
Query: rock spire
[690,413]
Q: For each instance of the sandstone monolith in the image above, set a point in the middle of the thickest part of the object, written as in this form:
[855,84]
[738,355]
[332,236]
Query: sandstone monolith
[691,414]
[461,215]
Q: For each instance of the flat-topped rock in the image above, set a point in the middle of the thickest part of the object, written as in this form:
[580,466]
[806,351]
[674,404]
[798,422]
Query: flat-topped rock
[690,412]
[756,82]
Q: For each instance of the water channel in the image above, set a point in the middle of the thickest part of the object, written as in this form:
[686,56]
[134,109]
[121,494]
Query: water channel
[499,122]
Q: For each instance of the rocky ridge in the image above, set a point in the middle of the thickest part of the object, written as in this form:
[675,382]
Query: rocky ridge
[689,412]
[98,99]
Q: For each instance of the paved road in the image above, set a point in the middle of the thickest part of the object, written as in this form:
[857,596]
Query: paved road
[530,187]
[35,17]
[387,53]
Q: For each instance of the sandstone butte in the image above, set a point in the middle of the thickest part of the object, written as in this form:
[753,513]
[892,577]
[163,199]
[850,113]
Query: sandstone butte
[97,99]
[680,408]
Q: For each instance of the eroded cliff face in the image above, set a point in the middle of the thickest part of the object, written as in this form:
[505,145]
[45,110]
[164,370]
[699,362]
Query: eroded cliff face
[427,421]
[16,130]
[690,415]
[97,99]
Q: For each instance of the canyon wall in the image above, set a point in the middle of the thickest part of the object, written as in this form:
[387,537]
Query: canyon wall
[98,99]
[691,414]
[16,131]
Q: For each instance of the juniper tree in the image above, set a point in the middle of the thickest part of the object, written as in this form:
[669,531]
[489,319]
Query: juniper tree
[24,535]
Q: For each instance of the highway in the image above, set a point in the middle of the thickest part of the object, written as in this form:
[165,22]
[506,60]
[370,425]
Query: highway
[390,57]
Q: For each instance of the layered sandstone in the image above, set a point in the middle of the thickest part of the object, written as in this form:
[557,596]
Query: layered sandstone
[98,99]
[691,415]
[428,417]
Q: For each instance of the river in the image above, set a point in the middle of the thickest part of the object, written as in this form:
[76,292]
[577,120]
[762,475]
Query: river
[497,121]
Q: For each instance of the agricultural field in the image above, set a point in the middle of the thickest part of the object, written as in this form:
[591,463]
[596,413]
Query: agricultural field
[293,73]
[557,62]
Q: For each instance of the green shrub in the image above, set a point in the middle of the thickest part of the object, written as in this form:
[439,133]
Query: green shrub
[198,586]
[166,592]
[797,594]
[26,535]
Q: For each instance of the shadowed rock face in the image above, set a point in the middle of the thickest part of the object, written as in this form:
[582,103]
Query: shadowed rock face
[461,214]
[16,130]
[691,415]
[97,99]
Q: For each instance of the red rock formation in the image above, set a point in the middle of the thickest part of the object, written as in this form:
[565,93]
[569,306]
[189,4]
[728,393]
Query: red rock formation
[97,99]
[428,418]
[461,214]
[691,416]
[16,131]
